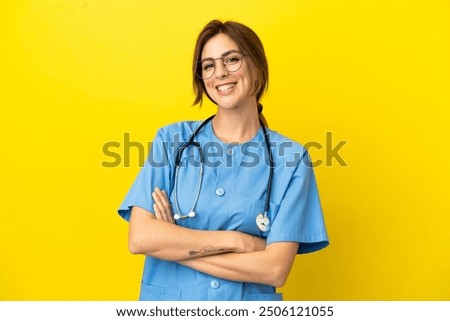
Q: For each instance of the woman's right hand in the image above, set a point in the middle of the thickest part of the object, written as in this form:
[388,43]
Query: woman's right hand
[162,208]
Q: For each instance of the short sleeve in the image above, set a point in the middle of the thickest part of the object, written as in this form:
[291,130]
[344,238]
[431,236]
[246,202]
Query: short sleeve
[155,173]
[299,217]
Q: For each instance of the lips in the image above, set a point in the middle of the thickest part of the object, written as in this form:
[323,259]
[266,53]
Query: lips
[226,87]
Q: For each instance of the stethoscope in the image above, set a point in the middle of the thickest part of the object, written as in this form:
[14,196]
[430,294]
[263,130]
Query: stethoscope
[262,219]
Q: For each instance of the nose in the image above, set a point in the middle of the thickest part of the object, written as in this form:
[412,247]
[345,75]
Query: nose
[221,71]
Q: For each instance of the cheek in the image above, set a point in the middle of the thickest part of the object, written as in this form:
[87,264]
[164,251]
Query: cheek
[248,80]
[246,75]
[209,87]
[210,90]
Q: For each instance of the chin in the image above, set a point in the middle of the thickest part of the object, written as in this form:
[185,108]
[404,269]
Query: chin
[228,105]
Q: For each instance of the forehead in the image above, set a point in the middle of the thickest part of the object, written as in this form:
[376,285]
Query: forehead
[218,45]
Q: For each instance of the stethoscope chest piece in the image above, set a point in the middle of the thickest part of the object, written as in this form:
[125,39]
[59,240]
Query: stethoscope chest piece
[263,222]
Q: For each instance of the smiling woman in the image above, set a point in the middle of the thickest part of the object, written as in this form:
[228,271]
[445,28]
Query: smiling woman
[231,88]
[82,74]
[237,227]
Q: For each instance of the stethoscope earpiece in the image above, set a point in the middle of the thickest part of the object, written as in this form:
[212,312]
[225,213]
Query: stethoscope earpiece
[182,217]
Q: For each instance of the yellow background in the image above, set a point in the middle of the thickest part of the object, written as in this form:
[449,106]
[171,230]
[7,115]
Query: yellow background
[78,74]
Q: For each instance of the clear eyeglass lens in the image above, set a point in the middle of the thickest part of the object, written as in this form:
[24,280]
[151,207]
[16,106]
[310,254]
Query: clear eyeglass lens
[232,62]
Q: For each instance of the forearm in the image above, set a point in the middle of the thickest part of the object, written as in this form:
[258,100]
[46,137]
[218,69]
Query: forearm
[270,266]
[168,241]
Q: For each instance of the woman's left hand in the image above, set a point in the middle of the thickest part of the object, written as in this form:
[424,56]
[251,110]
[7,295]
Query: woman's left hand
[162,208]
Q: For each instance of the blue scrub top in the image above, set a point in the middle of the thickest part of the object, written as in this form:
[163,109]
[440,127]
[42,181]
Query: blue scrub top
[233,192]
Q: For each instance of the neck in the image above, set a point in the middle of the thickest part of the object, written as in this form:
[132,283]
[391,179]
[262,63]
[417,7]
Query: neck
[236,126]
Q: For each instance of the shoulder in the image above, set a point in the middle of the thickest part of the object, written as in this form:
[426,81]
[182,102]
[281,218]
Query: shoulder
[284,146]
[290,157]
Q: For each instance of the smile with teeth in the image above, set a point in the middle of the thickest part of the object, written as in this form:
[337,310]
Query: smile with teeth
[226,87]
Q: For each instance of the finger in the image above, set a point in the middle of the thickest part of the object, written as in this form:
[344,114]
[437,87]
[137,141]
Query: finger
[163,206]
[163,201]
[157,212]
[163,197]
[169,207]
[160,207]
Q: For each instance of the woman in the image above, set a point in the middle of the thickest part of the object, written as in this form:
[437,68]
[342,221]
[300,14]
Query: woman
[244,212]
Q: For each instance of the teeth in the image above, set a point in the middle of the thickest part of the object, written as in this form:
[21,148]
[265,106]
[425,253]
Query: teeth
[225,87]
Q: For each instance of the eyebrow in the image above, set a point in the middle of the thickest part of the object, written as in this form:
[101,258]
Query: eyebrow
[223,55]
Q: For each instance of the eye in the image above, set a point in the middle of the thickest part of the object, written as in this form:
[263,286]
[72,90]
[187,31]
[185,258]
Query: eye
[232,59]
[207,65]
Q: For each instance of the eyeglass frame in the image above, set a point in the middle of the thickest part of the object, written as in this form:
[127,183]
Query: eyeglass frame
[223,56]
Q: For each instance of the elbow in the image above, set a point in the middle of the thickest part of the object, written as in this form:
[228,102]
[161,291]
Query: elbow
[139,231]
[135,245]
[139,244]
[279,281]
[278,276]
[133,249]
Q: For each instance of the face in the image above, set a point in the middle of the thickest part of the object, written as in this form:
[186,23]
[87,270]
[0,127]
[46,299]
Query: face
[229,89]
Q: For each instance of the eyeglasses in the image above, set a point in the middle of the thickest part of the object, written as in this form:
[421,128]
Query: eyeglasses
[232,61]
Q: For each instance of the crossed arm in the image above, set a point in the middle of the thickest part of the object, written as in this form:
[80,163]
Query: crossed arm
[230,255]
